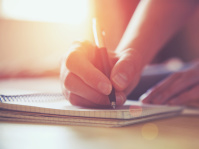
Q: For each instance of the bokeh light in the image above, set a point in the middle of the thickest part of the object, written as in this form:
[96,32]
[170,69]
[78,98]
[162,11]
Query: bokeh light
[150,131]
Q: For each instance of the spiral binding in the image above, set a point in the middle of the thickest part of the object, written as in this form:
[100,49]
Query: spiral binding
[42,97]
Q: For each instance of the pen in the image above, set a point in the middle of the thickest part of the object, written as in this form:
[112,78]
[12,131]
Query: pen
[99,41]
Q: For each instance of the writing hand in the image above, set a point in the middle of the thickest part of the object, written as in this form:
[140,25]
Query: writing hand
[83,83]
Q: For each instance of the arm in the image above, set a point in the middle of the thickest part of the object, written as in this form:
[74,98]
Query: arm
[154,22]
[152,25]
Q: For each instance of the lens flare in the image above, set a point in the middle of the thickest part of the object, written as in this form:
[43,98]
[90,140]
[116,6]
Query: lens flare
[150,131]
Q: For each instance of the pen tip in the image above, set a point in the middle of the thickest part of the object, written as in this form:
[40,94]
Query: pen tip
[113,104]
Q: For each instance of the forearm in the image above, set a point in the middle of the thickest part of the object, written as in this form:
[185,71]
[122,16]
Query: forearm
[153,24]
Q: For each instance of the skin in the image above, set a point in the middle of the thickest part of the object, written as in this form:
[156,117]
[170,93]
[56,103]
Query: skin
[93,86]
[152,25]
[181,88]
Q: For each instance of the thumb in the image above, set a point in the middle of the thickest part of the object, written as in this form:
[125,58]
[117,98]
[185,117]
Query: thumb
[126,69]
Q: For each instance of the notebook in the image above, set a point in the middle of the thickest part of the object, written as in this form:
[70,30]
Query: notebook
[55,109]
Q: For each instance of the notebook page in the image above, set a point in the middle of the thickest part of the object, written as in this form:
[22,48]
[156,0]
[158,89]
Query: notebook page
[57,104]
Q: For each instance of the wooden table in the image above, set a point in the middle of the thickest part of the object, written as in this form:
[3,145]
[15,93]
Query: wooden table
[174,133]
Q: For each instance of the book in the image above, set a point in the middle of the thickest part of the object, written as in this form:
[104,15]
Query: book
[53,108]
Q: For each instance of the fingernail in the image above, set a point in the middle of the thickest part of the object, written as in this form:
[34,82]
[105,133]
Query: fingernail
[105,88]
[120,99]
[120,79]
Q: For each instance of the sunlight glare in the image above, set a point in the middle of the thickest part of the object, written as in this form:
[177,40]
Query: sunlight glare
[67,11]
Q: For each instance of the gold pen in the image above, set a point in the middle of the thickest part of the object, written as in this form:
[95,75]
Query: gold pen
[99,41]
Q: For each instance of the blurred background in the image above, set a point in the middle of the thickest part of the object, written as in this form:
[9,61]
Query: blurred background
[35,34]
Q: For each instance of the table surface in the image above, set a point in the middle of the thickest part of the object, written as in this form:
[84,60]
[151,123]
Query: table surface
[181,132]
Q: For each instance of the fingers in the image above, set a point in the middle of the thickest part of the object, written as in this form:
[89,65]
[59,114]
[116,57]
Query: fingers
[190,96]
[75,85]
[171,87]
[78,63]
[83,82]
[76,90]
[126,68]
[83,102]
[160,92]
[79,101]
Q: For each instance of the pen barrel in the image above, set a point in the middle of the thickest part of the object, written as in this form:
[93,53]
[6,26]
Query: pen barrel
[104,58]
[111,96]
[102,55]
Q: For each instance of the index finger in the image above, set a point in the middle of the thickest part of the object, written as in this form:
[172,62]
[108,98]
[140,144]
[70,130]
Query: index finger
[80,64]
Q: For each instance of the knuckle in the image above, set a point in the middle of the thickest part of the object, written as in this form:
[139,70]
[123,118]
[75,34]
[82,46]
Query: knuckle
[135,54]
[131,58]
[130,63]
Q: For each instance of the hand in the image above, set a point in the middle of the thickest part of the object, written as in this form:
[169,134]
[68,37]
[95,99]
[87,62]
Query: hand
[83,83]
[181,88]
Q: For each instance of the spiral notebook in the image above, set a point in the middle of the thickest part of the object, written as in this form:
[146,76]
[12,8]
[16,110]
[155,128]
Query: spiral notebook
[55,109]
